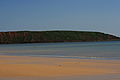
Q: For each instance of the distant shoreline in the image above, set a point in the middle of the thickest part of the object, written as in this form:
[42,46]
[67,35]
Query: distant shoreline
[22,37]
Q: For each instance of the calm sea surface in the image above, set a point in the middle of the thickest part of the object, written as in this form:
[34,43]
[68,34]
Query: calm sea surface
[82,50]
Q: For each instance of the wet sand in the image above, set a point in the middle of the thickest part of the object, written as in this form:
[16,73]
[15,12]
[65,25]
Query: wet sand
[36,68]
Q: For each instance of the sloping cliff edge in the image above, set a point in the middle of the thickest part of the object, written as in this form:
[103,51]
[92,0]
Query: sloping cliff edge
[54,36]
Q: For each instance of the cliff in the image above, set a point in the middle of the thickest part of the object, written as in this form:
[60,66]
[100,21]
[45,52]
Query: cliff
[54,36]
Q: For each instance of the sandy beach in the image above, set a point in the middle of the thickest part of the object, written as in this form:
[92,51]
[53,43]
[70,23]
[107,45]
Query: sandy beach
[17,67]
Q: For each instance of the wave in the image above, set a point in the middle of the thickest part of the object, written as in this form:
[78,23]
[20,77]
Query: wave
[78,57]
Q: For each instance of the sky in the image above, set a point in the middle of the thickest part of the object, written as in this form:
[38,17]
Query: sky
[80,15]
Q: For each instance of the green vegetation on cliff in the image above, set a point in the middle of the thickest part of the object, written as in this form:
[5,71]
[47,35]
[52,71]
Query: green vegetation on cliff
[54,36]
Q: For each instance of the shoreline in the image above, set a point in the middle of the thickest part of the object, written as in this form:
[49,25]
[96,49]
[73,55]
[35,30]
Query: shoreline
[59,42]
[67,57]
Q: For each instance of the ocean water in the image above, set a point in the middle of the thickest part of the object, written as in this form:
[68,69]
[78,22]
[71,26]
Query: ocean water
[81,50]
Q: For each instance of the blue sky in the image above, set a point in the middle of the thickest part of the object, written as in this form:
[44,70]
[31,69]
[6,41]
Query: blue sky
[85,15]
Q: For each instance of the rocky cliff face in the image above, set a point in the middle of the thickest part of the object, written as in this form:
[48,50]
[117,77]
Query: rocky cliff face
[53,36]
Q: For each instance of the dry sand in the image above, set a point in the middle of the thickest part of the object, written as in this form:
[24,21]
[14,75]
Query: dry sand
[43,67]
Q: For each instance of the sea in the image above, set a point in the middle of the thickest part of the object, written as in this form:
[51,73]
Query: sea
[106,50]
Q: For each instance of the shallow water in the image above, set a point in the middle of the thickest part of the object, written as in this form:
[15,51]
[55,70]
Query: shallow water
[83,50]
